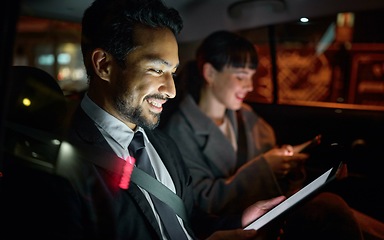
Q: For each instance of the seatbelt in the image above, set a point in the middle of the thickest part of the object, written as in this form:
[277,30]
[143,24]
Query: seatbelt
[138,176]
[163,193]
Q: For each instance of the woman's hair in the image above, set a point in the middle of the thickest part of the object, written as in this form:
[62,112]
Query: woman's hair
[221,48]
[108,24]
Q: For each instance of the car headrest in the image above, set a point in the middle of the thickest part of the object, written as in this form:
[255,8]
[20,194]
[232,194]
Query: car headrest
[35,99]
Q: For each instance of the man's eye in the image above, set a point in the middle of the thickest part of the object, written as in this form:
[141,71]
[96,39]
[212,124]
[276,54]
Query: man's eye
[157,71]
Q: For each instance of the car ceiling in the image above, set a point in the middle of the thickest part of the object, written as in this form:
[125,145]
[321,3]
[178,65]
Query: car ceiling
[201,17]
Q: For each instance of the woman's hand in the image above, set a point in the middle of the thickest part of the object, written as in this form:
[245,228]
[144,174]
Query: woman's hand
[283,159]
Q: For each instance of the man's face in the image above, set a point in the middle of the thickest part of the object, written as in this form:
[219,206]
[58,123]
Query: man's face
[141,89]
[231,86]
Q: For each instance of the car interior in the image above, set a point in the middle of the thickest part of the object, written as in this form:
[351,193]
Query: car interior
[321,71]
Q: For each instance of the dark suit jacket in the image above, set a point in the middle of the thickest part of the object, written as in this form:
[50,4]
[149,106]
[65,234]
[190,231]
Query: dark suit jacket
[77,196]
[125,213]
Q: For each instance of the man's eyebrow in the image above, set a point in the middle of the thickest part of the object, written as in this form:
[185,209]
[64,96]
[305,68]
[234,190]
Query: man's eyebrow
[157,60]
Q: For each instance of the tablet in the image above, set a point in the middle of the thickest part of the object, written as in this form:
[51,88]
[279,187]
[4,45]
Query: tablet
[288,203]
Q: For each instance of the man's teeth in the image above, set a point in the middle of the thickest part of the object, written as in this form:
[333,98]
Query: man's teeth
[156,104]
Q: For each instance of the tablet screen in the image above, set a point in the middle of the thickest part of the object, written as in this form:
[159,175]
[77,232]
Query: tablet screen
[292,200]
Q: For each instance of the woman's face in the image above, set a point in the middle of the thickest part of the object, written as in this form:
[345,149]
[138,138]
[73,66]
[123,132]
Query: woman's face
[231,85]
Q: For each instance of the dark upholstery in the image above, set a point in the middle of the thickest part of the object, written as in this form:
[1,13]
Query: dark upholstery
[48,104]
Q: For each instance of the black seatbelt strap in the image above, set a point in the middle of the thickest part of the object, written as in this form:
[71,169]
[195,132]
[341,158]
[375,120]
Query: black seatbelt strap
[163,193]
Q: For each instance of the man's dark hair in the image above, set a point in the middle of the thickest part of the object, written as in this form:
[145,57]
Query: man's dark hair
[108,24]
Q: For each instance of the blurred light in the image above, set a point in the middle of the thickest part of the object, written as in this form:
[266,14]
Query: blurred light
[46,59]
[345,19]
[55,141]
[64,73]
[304,20]
[326,40]
[78,74]
[63,58]
[26,102]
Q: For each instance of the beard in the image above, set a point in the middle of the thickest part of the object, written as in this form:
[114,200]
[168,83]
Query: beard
[135,114]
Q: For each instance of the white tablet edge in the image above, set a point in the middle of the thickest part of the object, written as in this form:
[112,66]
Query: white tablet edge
[289,202]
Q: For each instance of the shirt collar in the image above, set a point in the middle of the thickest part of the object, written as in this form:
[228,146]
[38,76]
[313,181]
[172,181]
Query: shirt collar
[117,130]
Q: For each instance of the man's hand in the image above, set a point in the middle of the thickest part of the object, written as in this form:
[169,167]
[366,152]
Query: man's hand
[259,208]
[250,214]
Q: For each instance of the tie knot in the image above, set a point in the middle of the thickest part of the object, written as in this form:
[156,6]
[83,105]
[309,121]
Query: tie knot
[137,151]
[137,142]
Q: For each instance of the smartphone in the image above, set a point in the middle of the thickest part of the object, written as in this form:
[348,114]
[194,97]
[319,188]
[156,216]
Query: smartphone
[307,146]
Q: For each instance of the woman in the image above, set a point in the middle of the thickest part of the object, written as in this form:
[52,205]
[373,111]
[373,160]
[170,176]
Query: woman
[231,151]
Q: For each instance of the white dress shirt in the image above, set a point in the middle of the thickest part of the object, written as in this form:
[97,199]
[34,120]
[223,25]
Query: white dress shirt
[119,136]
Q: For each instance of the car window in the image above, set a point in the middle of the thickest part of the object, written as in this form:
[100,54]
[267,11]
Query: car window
[335,59]
[53,46]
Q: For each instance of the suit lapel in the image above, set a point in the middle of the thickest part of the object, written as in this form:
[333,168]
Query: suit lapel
[87,132]
[215,146]
[219,152]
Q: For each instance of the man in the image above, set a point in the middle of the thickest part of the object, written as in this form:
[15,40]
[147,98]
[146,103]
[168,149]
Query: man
[130,54]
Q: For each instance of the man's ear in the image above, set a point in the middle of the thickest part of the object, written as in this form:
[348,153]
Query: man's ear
[102,63]
[209,73]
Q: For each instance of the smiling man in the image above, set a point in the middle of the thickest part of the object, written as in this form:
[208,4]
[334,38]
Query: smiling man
[130,53]
[135,94]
